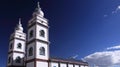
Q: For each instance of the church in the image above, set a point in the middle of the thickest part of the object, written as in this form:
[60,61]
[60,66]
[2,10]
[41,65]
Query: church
[31,49]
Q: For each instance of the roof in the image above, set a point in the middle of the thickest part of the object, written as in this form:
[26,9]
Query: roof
[70,61]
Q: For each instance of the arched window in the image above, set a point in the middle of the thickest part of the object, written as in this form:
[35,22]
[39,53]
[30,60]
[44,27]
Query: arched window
[31,34]
[30,51]
[19,45]
[42,33]
[11,46]
[18,60]
[9,59]
[42,51]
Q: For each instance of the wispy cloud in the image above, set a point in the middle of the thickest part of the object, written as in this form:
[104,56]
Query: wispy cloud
[116,10]
[105,15]
[104,58]
[113,48]
[74,57]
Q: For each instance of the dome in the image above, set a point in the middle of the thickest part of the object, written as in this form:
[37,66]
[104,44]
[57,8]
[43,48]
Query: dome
[38,11]
[19,26]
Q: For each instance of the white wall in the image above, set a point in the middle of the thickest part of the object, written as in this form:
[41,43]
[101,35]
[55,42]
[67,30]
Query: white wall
[32,28]
[70,65]
[15,55]
[42,19]
[33,46]
[76,65]
[38,45]
[38,33]
[63,65]
[54,64]
[31,64]
[10,55]
[14,43]
[39,19]
[11,42]
[36,29]
[41,64]
[23,45]
[20,35]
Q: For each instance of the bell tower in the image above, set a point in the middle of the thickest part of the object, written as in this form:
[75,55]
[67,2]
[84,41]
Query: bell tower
[17,45]
[37,40]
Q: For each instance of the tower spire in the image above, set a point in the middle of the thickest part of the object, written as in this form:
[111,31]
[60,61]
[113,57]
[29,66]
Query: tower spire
[19,26]
[38,11]
[20,22]
[38,4]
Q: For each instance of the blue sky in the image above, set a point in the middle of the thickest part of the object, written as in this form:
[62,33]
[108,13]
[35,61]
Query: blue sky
[77,27]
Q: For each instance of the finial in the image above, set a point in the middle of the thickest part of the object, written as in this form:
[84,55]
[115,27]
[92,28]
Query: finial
[19,21]
[19,26]
[38,4]
[38,11]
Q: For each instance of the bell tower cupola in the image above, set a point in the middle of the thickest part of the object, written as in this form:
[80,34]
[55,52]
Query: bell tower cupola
[38,17]
[37,39]
[17,44]
[38,11]
[19,27]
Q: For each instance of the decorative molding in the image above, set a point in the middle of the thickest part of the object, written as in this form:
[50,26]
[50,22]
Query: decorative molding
[36,59]
[34,40]
[69,62]
[17,38]
[16,52]
[36,23]
[15,66]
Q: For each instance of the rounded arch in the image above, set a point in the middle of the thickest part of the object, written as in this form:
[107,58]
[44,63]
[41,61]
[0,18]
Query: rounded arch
[19,45]
[9,59]
[42,51]
[42,33]
[30,51]
[31,34]
[11,46]
[18,59]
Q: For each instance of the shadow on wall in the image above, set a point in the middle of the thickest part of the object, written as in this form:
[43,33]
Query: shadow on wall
[16,62]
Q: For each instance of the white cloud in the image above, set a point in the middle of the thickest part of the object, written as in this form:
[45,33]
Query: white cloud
[114,47]
[116,10]
[74,57]
[104,58]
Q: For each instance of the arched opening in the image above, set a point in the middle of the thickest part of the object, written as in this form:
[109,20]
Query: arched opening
[42,51]
[18,59]
[9,59]
[31,34]
[42,33]
[11,46]
[19,45]
[30,51]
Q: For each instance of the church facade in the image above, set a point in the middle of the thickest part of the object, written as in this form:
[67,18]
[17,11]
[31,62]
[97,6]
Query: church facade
[32,49]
